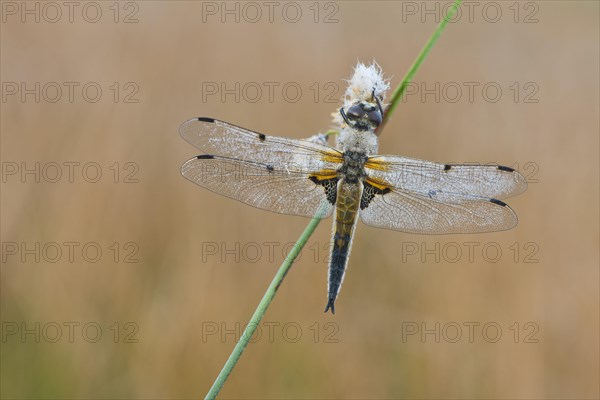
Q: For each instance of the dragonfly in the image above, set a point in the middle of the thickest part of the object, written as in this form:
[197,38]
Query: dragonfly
[309,178]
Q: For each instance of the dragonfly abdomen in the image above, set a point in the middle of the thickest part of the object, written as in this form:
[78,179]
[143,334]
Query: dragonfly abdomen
[346,207]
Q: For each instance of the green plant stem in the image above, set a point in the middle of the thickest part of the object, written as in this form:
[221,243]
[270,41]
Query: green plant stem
[399,91]
[262,308]
[312,225]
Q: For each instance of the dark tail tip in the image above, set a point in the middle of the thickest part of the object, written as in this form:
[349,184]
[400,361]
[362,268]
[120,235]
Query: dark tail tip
[330,304]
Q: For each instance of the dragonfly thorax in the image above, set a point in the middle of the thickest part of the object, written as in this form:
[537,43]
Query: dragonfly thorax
[353,168]
[357,141]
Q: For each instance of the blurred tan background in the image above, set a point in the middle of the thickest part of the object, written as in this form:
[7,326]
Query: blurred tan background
[168,322]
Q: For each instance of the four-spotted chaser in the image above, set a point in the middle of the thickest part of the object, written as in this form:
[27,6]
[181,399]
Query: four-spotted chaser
[309,178]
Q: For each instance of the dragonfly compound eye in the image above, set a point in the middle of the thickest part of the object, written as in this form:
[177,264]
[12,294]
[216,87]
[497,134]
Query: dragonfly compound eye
[355,112]
[375,117]
[363,116]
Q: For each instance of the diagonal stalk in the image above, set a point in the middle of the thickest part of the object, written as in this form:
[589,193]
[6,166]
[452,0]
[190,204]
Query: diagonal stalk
[312,225]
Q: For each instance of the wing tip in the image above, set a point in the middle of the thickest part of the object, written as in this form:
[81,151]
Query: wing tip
[197,119]
[515,218]
[187,130]
[519,180]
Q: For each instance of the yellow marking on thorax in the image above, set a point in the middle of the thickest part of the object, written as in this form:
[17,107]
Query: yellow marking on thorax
[377,163]
[333,157]
[325,174]
[379,183]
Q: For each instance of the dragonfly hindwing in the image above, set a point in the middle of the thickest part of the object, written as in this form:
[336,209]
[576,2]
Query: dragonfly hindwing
[330,186]
[369,192]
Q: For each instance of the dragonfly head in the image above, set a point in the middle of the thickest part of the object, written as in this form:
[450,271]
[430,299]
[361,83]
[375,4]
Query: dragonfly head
[364,115]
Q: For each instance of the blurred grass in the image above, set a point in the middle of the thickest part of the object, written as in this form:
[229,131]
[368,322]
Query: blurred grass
[170,293]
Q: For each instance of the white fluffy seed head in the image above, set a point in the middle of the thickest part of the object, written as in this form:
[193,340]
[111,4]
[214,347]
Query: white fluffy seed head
[365,79]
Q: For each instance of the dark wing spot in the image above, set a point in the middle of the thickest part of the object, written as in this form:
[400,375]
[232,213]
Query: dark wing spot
[330,186]
[205,157]
[447,167]
[261,137]
[431,193]
[500,203]
[369,193]
[506,169]
[205,119]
